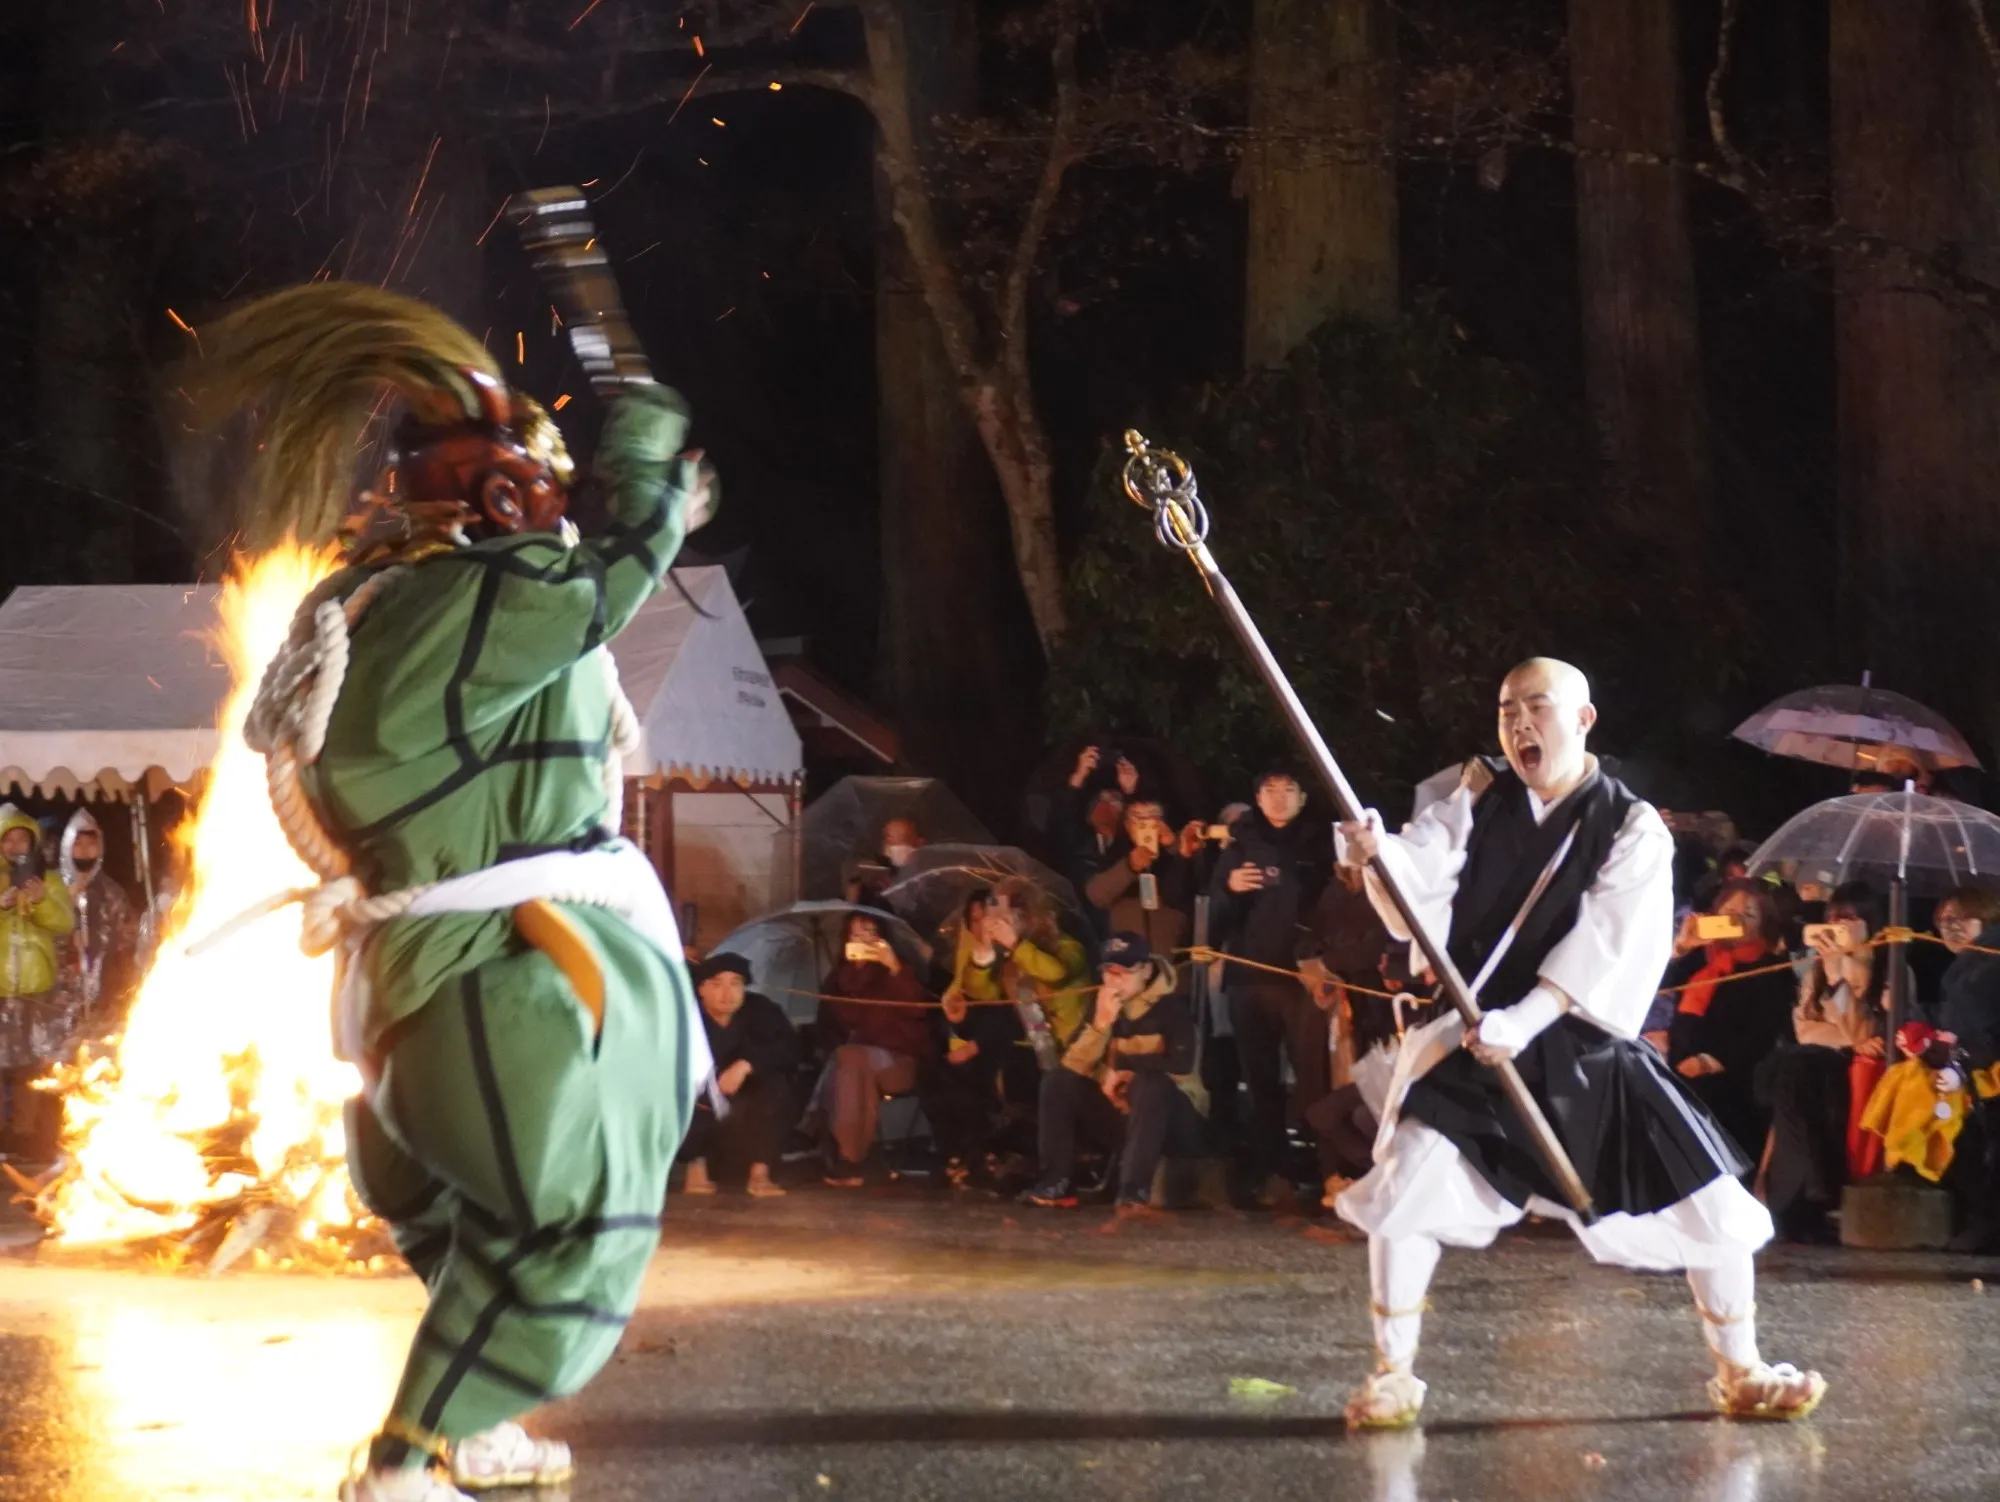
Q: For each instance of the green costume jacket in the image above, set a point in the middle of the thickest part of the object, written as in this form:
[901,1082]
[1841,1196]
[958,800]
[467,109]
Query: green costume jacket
[473,724]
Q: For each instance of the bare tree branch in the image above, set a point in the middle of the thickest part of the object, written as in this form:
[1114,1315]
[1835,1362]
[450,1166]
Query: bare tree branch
[1977,10]
[1718,124]
[710,83]
[1035,222]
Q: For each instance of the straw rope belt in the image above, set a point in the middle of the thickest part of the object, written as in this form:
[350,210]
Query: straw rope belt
[288,722]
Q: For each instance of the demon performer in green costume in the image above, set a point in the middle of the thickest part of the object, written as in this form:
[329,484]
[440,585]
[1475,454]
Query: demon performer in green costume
[442,732]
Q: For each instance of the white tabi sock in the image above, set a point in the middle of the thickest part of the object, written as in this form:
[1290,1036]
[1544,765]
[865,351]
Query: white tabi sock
[1726,1297]
[1399,1275]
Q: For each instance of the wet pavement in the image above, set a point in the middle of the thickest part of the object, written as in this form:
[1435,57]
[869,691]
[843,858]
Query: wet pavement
[891,1345]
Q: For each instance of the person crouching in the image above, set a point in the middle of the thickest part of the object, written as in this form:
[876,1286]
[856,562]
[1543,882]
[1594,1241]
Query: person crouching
[1122,1078]
[756,1049]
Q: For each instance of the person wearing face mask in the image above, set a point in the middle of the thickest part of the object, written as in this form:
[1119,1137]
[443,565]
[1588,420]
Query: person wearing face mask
[901,840]
[101,950]
[1551,885]
[1265,887]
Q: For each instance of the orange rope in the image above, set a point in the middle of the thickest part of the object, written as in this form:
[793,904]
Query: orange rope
[873,1001]
[1203,955]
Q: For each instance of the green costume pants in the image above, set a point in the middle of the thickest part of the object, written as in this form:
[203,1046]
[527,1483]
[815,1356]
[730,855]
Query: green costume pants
[521,1164]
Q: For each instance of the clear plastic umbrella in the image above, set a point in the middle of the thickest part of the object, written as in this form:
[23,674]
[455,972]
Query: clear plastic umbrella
[845,823]
[1914,842]
[791,952]
[1931,844]
[932,889]
[1857,726]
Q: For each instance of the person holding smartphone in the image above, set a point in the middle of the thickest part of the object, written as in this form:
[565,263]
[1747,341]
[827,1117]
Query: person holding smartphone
[1266,884]
[1147,884]
[874,1025]
[1735,1010]
[1840,1016]
[978,1056]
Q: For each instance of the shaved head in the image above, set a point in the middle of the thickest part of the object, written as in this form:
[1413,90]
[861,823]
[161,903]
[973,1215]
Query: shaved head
[1545,719]
[1551,675]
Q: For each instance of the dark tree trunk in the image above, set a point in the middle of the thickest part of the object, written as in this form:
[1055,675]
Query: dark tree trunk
[957,655]
[91,413]
[1641,343]
[1319,171]
[1916,170]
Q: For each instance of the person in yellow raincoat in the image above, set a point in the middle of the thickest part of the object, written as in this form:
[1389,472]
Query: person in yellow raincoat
[1919,1106]
[35,1016]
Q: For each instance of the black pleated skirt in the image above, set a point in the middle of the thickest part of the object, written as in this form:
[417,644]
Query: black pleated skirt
[1639,1138]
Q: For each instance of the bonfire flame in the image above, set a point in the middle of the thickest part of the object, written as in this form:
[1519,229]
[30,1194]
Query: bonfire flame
[216,1123]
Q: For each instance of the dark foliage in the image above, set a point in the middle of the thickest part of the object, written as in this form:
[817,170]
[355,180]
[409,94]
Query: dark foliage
[1406,518]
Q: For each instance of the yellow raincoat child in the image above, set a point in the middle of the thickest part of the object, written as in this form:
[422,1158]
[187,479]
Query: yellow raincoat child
[32,917]
[36,1016]
[1919,1106]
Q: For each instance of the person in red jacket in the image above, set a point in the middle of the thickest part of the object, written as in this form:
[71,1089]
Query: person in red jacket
[876,1031]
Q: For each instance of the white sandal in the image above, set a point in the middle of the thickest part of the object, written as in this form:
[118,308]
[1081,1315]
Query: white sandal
[418,1485]
[507,1455]
[1766,1392]
[1389,1399]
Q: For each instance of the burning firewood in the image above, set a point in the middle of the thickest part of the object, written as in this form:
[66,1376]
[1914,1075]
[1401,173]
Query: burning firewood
[211,1134]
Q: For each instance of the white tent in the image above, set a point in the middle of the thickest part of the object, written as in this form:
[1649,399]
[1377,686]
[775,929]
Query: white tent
[713,797]
[690,665]
[102,685]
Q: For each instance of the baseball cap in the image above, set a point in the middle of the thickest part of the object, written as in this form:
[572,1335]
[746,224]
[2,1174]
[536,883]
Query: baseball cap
[1128,951]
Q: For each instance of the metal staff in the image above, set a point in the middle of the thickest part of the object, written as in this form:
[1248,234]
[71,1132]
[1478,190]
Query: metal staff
[1161,481]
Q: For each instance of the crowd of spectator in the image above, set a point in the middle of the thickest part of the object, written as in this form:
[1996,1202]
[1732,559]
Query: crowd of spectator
[1219,989]
[70,953]
[1213,989]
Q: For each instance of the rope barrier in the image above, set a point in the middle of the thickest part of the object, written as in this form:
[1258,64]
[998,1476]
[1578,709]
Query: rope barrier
[1202,954]
[932,1006]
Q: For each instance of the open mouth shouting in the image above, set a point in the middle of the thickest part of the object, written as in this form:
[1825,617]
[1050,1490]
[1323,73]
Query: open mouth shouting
[1528,756]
